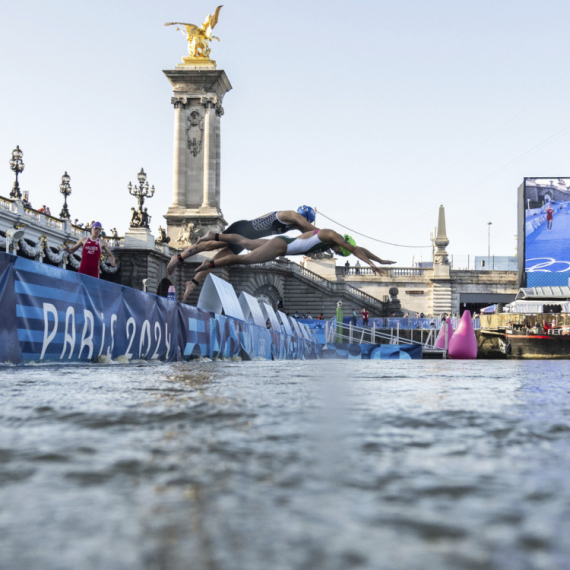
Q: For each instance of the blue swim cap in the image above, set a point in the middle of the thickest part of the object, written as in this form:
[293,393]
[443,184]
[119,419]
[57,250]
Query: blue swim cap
[307,212]
[97,225]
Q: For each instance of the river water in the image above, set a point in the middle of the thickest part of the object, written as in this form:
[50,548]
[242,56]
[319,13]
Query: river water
[286,465]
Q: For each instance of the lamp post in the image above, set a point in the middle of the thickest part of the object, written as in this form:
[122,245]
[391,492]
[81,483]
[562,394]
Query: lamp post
[140,218]
[489,224]
[17,166]
[65,189]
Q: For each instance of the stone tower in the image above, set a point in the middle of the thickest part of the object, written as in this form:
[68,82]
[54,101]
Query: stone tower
[441,281]
[197,99]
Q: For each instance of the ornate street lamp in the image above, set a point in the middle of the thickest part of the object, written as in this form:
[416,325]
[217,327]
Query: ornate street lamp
[17,166]
[65,189]
[140,217]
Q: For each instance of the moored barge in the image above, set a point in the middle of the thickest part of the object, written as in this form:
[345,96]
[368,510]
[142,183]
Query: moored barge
[535,325]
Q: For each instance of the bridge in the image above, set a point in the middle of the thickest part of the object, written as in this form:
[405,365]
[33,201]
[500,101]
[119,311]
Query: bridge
[314,287]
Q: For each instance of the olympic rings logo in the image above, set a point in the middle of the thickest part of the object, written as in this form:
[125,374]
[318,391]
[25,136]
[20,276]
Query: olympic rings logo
[541,266]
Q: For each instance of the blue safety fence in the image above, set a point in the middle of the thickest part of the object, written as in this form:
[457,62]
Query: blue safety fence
[318,327]
[406,324]
[48,314]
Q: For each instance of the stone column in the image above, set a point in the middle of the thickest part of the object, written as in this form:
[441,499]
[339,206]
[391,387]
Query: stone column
[219,113]
[179,194]
[198,94]
[210,155]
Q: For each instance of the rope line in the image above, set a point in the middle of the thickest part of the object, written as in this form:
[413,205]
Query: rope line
[368,237]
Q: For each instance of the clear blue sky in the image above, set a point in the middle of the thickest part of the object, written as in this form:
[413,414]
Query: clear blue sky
[374,112]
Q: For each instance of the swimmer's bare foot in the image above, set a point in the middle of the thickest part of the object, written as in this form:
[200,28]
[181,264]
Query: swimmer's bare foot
[210,235]
[190,286]
[174,261]
[208,264]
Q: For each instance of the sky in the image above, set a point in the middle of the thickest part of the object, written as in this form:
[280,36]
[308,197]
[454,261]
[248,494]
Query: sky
[374,112]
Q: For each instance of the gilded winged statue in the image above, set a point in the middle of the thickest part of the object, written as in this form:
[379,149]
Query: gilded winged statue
[199,37]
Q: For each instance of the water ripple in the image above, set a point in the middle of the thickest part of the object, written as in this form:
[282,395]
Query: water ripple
[281,465]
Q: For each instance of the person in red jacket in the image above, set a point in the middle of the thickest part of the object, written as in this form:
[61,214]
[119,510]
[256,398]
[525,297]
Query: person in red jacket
[91,254]
[549,217]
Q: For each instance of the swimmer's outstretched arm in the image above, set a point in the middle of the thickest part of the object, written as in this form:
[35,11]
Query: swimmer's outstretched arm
[330,236]
[376,258]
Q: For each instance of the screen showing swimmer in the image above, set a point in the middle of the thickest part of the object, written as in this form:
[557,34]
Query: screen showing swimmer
[547,226]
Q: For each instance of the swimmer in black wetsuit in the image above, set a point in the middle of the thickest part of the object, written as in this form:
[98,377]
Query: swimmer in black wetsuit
[263,250]
[274,223]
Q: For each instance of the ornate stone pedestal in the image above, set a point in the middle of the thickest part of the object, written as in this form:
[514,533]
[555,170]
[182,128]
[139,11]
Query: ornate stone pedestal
[197,100]
[139,238]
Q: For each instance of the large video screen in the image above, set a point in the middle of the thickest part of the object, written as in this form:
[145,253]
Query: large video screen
[547,231]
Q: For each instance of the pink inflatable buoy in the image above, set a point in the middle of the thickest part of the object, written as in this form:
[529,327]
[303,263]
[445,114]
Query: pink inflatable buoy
[440,341]
[463,343]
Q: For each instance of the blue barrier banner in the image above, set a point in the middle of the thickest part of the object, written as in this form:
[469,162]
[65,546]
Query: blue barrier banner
[49,314]
[64,316]
[194,332]
[318,327]
[371,351]
[9,345]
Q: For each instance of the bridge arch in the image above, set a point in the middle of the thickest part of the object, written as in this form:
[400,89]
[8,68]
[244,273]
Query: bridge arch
[267,293]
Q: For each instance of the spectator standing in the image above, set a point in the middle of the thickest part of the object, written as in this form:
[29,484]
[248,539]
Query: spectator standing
[91,254]
[549,217]
[346,267]
[354,317]
[365,317]
[357,268]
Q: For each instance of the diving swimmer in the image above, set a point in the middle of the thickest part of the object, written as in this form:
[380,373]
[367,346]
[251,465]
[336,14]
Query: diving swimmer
[274,223]
[315,241]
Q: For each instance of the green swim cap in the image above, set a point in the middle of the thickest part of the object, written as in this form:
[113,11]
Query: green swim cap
[347,239]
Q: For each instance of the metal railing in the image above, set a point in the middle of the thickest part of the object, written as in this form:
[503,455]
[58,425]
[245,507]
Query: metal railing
[409,323]
[456,262]
[338,287]
[360,294]
[310,275]
[369,272]
[369,335]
